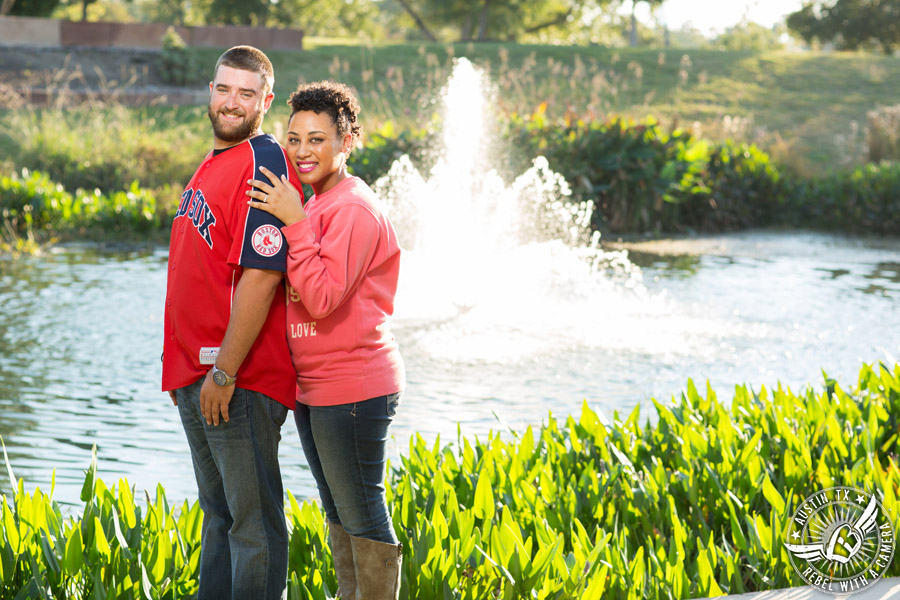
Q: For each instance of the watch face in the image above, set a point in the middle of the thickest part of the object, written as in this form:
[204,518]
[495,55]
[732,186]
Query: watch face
[220,378]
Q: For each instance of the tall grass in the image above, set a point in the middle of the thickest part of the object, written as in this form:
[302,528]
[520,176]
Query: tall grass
[883,134]
[799,108]
[796,106]
[107,146]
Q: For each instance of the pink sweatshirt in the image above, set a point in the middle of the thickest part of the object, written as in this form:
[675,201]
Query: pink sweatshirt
[342,267]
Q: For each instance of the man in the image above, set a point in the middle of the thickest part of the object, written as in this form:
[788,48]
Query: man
[226,363]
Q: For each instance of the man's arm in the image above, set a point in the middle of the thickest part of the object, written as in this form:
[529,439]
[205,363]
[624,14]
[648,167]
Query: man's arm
[250,307]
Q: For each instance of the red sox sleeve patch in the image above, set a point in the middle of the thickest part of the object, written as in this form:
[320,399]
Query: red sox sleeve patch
[267,240]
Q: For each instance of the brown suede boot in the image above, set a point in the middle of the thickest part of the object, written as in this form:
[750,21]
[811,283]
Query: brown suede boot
[377,569]
[342,553]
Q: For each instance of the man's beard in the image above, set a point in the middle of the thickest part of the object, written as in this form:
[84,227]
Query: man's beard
[237,132]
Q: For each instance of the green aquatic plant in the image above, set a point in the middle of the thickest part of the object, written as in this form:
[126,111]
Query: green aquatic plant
[36,210]
[692,503]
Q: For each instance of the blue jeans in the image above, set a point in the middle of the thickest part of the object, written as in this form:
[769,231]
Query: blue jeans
[244,539]
[346,448]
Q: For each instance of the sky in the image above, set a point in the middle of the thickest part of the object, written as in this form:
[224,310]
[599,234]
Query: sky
[715,16]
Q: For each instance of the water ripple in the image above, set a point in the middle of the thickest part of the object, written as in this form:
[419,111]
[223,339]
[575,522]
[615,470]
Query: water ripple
[81,338]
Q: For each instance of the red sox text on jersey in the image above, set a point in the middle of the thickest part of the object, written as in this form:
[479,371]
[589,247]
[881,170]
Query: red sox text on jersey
[193,204]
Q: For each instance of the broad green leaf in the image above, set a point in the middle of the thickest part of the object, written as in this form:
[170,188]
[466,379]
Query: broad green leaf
[49,554]
[597,585]
[123,544]
[126,504]
[90,478]
[74,558]
[100,541]
[11,528]
[484,498]
[772,495]
[636,570]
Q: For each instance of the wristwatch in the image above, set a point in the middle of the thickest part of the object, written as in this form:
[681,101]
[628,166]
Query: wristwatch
[221,378]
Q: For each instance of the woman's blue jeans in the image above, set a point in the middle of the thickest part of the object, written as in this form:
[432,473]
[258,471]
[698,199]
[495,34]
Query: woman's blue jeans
[244,539]
[346,448]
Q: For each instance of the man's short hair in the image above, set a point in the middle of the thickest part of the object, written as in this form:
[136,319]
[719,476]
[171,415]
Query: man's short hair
[248,58]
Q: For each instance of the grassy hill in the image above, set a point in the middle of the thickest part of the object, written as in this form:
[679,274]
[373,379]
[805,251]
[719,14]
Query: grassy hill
[808,110]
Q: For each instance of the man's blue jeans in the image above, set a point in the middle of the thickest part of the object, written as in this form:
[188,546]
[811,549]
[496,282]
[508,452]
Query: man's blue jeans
[244,543]
[346,448]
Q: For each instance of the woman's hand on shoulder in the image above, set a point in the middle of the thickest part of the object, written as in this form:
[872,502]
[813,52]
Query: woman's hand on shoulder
[276,197]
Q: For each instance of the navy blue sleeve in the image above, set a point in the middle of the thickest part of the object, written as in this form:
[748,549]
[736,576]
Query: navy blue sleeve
[264,246]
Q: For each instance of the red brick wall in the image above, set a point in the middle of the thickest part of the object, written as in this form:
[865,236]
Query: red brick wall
[49,32]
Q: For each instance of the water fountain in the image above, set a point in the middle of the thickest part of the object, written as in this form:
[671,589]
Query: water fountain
[493,271]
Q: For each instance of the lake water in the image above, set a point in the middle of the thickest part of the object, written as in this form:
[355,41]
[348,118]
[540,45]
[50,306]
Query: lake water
[82,333]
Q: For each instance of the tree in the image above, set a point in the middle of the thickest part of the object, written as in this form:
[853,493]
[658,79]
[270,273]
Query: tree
[84,8]
[28,8]
[174,12]
[633,40]
[849,24]
[239,12]
[418,20]
[748,35]
[483,20]
[333,18]
[95,10]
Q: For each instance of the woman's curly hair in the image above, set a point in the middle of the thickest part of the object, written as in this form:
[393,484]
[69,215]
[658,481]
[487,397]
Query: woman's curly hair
[335,99]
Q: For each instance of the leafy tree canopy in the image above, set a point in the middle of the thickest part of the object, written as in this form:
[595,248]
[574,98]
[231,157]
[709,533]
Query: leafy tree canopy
[849,24]
[238,12]
[483,20]
[30,8]
[748,35]
[341,18]
[335,18]
[176,12]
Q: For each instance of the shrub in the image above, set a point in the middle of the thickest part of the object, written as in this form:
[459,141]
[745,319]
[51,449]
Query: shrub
[865,200]
[133,209]
[386,145]
[178,63]
[636,174]
[33,205]
[737,188]
[33,201]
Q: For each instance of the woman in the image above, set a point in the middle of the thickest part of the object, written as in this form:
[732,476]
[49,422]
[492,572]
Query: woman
[342,267]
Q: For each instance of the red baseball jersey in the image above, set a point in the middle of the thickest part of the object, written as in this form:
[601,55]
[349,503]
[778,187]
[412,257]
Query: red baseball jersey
[215,236]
